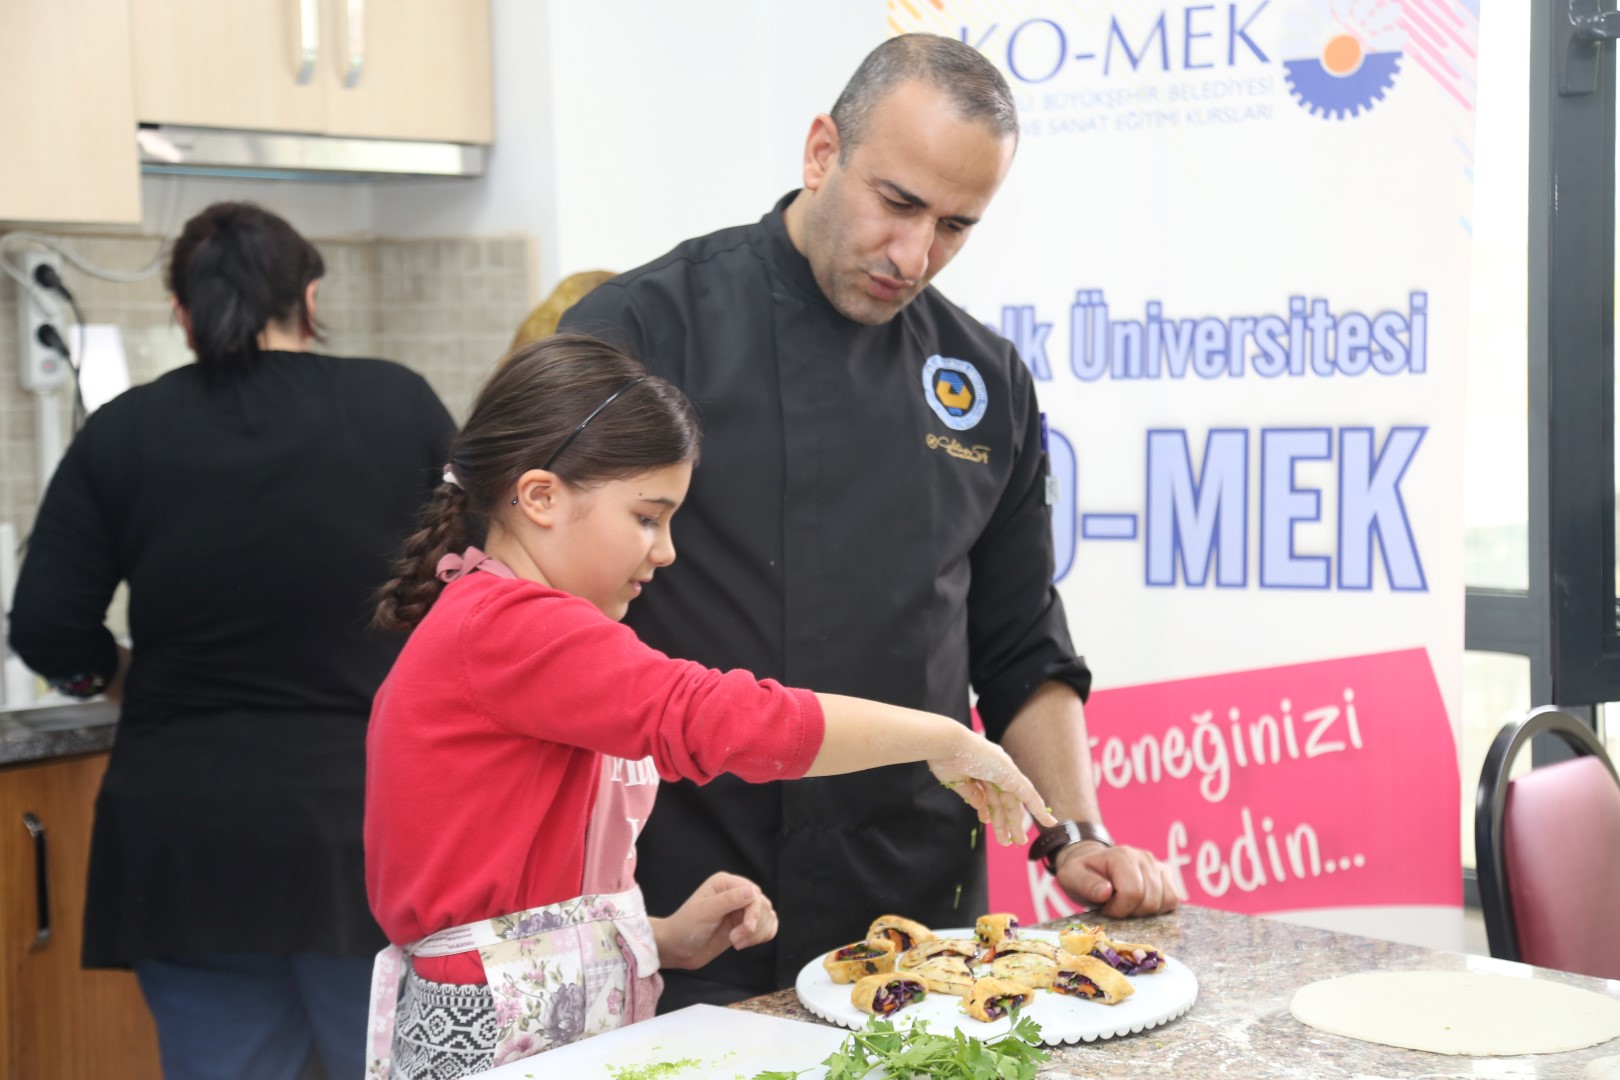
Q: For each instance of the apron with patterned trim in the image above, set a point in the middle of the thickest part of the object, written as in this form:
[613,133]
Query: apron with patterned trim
[557,973]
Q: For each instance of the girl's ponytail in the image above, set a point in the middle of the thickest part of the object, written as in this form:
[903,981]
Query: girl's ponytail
[406,598]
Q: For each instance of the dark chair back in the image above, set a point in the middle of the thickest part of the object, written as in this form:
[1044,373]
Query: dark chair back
[1548,849]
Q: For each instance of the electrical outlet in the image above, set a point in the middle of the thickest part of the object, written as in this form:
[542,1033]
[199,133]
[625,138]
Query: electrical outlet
[44,370]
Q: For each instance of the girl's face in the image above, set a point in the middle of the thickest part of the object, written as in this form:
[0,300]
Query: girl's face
[609,543]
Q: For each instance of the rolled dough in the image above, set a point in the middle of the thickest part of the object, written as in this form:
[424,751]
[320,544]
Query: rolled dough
[1456,1012]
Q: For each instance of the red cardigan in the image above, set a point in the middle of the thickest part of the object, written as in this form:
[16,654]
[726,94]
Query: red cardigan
[483,756]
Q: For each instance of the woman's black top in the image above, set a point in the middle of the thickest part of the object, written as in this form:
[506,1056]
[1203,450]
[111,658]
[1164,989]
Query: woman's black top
[253,514]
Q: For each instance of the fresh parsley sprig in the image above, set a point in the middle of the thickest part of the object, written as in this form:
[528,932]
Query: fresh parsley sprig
[906,1053]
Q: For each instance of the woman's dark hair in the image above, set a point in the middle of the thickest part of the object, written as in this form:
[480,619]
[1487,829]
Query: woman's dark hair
[236,268]
[529,410]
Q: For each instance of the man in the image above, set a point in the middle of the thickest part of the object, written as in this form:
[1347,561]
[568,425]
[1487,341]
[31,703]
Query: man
[870,518]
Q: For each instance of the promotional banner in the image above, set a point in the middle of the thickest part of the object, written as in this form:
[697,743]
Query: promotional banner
[1233,250]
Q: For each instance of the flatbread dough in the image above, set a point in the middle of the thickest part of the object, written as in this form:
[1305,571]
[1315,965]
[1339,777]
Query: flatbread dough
[1455,1012]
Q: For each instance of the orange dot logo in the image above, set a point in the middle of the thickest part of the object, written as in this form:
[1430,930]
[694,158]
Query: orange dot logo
[1342,56]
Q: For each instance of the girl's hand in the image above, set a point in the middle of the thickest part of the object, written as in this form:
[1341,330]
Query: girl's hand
[726,911]
[986,778]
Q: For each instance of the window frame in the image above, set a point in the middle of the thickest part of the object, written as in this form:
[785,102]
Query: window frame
[1571,358]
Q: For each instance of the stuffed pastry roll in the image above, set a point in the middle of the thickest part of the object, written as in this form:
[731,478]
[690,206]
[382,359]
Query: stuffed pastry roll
[992,999]
[993,929]
[1128,958]
[887,992]
[946,975]
[1028,945]
[861,958]
[927,950]
[1025,969]
[1088,977]
[902,933]
[1080,938]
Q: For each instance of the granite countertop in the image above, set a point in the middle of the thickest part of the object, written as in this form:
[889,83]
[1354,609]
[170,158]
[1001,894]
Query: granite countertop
[34,735]
[1248,970]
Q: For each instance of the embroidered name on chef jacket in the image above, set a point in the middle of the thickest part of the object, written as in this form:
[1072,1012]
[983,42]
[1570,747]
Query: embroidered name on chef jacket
[954,389]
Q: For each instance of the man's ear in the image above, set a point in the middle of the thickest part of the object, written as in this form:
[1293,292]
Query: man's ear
[821,148]
[542,497]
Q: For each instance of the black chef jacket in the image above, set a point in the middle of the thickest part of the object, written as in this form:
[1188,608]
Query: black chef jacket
[869,518]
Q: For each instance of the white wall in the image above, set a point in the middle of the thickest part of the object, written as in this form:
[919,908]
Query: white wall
[625,126]
[320,210]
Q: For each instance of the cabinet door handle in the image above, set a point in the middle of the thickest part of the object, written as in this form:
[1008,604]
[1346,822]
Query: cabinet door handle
[354,32]
[42,881]
[309,40]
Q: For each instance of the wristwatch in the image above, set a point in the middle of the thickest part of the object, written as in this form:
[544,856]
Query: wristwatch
[1055,838]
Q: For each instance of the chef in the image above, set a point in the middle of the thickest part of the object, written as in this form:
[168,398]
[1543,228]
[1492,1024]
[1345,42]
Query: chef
[870,517]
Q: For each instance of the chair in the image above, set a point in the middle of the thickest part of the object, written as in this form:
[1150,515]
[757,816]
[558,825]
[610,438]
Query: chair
[1548,848]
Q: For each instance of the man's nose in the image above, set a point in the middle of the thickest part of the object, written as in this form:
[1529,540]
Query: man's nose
[909,250]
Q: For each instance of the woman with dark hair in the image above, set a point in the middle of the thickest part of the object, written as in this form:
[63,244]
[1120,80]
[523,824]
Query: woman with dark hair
[251,500]
[516,747]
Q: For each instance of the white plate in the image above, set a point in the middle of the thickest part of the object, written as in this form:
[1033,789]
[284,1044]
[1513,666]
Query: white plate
[1160,997]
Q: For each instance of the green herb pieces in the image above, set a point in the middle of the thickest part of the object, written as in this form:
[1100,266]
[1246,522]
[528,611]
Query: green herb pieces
[658,1070]
[916,1051]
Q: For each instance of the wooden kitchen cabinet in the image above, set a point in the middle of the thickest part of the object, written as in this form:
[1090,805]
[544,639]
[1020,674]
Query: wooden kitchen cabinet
[69,114]
[60,1021]
[234,65]
[424,71]
[386,69]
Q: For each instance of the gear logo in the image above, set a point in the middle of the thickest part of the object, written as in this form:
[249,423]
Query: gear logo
[1346,78]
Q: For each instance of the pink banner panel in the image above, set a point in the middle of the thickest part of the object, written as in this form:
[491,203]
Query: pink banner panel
[1328,784]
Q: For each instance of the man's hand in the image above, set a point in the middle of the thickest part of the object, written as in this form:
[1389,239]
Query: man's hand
[1119,881]
[726,911]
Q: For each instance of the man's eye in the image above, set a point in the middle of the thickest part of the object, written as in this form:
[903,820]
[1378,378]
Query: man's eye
[648,522]
[955,227]
[895,205]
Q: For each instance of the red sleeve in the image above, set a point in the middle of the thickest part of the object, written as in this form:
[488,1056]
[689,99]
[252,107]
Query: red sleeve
[554,667]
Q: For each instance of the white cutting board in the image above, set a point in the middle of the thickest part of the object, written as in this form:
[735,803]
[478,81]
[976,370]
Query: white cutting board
[721,1043]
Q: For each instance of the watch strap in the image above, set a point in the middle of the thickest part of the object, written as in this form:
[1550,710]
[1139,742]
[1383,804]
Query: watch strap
[1055,838]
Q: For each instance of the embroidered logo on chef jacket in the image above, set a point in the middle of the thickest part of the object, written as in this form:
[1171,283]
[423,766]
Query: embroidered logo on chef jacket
[954,389]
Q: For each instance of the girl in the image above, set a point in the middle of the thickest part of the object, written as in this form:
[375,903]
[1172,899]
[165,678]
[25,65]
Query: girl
[516,745]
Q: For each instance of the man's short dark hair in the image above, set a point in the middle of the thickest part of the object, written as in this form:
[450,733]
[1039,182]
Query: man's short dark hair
[973,84]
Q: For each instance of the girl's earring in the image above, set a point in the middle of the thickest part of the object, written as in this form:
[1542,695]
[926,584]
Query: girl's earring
[514,500]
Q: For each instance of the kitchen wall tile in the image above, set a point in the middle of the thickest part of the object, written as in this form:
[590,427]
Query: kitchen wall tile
[447,308]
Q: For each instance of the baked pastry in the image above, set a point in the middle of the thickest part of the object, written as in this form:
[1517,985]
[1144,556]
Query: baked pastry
[1129,958]
[849,963]
[993,929]
[991,999]
[887,992]
[1080,938]
[946,975]
[1088,977]
[1025,969]
[901,932]
[927,950]
[1033,946]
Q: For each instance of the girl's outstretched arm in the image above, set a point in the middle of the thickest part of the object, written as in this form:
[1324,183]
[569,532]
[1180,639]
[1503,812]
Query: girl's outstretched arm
[862,734]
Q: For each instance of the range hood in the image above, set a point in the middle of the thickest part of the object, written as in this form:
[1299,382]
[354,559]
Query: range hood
[265,155]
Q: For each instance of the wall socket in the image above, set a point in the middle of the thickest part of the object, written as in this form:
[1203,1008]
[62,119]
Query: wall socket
[43,369]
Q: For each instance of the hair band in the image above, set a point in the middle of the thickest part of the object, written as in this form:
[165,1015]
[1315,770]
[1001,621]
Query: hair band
[572,435]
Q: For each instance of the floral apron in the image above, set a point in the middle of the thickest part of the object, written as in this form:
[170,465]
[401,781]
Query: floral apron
[557,973]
